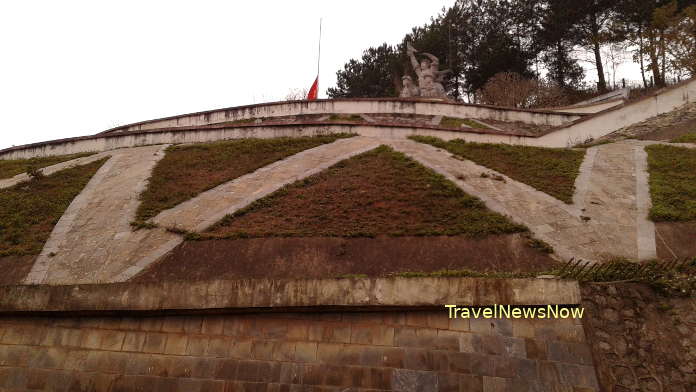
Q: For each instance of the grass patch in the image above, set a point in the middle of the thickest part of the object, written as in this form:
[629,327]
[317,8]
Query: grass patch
[453,122]
[29,210]
[465,273]
[675,278]
[672,183]
[688,138]
[345,117]
[550,170]
[187,170]
[380,192]
[12,167]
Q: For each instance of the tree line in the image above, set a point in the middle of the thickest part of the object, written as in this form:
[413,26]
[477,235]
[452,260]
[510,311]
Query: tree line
[480,39]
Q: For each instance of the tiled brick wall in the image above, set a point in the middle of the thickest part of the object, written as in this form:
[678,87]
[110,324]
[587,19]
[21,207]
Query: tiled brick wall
[406,351]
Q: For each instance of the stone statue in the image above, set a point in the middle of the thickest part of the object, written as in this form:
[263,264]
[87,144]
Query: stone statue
[409,89]
[429,76]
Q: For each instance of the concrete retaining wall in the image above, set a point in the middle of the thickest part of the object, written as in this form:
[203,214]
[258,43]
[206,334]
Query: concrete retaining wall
[578,131]
[260,294]
[611,120]
[113,141]
[350,106]
[590,108]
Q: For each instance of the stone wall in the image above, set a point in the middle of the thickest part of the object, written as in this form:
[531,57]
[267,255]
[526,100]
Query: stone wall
[641,341]
[319,335]
[402,351]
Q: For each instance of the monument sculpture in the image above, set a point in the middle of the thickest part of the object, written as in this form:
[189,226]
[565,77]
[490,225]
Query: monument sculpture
[429,77]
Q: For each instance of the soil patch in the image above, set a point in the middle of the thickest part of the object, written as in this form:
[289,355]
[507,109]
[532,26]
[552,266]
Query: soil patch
[380,192]
[640,340]
[667,126]
[187,170]
[30,210]
[13,269]
[672,182]
[298,258]
[11,167]
[680,129]
[550,170]
[675,239]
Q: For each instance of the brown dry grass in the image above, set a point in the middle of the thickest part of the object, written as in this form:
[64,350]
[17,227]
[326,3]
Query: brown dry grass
[29,210]
[12,167]
[188,170]
[380,192]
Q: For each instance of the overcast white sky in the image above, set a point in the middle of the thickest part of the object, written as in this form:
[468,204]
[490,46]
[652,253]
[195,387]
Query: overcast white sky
[72,68]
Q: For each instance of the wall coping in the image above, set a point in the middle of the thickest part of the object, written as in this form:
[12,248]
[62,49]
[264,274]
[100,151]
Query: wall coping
[263,295]
[114,132]
[278,125]
[407,100]
[583,118]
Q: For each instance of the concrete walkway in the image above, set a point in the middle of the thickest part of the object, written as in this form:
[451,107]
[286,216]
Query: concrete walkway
[48,170]
[612,224]
[95,228]
[113,252]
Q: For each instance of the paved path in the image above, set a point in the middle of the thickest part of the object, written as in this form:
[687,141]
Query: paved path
[94,230]
[48,170]
[607,190]
[112,252]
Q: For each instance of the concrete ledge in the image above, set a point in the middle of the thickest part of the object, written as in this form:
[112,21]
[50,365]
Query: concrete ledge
[169,129]
[283,295]
[354,105]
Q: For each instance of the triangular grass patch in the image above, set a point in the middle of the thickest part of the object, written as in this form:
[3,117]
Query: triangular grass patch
[187,170]
[30,210]
[380,192]
[550,170]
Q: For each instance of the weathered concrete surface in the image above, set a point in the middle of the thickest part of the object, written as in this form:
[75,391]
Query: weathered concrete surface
[95,228]
[607,193]
[286,295]
[48,170]
[351,106]
[617,200]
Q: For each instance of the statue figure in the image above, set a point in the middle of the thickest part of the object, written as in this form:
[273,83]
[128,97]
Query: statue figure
[409,89]
[429,76]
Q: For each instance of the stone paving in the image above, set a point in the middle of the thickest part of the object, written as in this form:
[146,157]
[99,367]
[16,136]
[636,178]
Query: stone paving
[93,230]
[605,221]
[93,241]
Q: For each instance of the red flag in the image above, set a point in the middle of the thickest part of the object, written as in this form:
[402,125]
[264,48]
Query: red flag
[312,95]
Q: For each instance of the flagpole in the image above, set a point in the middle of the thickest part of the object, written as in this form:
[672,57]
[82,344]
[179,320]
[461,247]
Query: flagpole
[319,57]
